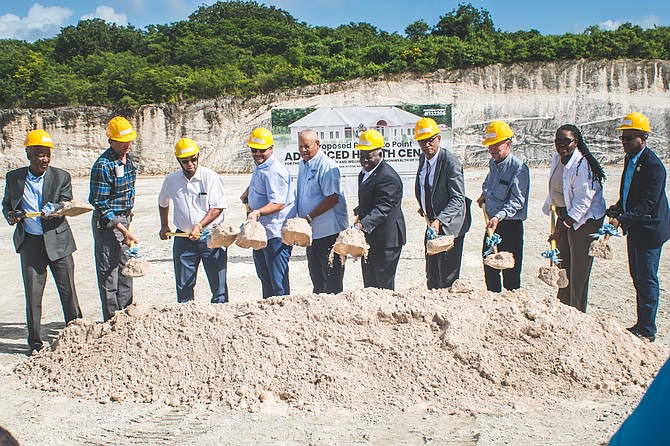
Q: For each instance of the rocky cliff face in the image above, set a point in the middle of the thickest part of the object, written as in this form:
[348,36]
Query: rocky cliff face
[535,98]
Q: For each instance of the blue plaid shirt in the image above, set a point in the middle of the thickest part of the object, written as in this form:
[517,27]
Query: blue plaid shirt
[112,194]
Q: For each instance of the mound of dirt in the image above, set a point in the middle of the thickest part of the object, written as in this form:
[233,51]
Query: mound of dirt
[297,231]
[362,350]
[252,236]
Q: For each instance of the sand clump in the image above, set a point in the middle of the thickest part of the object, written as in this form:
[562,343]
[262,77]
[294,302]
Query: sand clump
[297,231]
[252,235]
[350,242]
[361,350]
[553,276]
[601,249]
[500,260]
[439,244]
[222,235]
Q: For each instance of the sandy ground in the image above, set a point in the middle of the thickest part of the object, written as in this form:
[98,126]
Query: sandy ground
[40,418]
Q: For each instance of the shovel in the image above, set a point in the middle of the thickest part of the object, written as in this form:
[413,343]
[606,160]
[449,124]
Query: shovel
[601,248]
[553,275]
[493,258]
[435,243]
[136,266]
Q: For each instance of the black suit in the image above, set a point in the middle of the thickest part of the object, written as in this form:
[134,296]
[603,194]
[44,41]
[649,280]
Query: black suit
[380,212]
[53,249]
[448,204]
[646,221]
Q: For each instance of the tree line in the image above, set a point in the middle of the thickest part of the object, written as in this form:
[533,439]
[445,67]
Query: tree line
[245,48]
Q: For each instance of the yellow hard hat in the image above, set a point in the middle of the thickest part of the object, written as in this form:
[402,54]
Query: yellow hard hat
[261,138]
[370,140]
[425,128]
[635,121]
[186,147]
[119,129]
[38,138]
[495,132]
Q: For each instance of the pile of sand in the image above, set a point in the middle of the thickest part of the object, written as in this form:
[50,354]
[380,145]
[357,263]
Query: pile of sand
[252,235]
[297,231]
[222,236]
[362,350]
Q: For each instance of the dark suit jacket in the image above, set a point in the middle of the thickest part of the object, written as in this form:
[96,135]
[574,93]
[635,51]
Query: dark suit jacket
[379,207]
[647,218]
[57,188]
[448,198]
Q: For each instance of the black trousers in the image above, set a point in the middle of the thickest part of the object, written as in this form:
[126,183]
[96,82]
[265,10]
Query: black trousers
[511,233]
[34,263]
[444,268]
[327,276]
[379,267]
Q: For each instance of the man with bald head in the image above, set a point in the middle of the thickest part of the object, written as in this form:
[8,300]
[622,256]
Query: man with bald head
[321,202]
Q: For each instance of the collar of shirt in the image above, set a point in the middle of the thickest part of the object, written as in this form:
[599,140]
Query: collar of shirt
[634,159]
[266,165]
[33,178]
[197,176]
[315,159]
[367,174]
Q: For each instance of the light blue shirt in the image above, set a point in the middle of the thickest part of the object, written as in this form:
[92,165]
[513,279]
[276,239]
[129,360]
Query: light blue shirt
[32,202]
[317,179]
[506,189]
[271,183]
[628,177]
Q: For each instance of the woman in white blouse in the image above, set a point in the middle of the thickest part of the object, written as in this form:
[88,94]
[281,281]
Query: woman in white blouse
[576,190]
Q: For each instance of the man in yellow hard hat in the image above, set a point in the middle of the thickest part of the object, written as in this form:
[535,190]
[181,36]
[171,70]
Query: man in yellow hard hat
[199,201]
[41,241]
[642,212]
[112,194]
[440,191]
[271,199]
[505,192]
[321,202]
[379,212]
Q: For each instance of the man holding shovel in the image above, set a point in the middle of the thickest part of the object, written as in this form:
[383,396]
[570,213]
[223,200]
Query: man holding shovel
[41,241]
[271,198]
[198,198]
[642,212]
[440,191]
[505,196]
[112,194]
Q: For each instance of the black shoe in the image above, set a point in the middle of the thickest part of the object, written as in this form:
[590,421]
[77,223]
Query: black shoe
[651,338]
[34,349]
[632,329]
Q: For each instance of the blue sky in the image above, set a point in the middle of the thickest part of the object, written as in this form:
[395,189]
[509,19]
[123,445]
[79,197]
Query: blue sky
[30,20]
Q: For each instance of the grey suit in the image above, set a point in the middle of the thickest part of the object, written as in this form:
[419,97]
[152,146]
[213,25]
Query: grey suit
[449,205]
[53,249]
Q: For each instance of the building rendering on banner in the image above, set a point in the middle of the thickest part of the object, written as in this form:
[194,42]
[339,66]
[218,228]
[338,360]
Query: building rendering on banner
[346,123]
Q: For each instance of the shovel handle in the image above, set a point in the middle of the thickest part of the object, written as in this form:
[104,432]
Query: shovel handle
[552,226]
[32,214]
[177,234]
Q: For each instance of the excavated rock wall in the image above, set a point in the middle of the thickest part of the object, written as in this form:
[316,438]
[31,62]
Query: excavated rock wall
[535,98]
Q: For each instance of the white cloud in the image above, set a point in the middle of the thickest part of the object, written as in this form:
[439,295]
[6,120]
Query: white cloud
[107,14]
[644,22]
[41,22]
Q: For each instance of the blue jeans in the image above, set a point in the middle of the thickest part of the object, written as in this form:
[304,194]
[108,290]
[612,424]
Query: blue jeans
[187,255]
[272,268]
[643,268]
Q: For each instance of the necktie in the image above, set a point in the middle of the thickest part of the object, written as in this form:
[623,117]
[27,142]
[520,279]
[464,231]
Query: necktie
[428,193]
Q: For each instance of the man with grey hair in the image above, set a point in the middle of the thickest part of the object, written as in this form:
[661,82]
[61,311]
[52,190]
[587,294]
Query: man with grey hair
[321,202]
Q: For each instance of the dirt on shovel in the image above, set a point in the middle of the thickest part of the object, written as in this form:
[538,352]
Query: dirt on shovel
[553,276]
[497,260]
[252,236]
[351,242]
[222,236]
[297,231]
[601,249]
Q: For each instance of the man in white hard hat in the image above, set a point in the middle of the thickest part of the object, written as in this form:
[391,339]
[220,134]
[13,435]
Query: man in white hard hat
[505,192]
[199,201]
[112,194]
[642,212]
[440,192]
[271,198]
[41,241]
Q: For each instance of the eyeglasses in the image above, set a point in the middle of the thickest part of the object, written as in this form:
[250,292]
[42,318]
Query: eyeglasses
[628,138]
[185,161]
[425,142]
[564,142]
[257,150]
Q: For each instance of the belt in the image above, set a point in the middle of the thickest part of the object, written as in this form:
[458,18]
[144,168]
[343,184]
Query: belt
[123,213]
